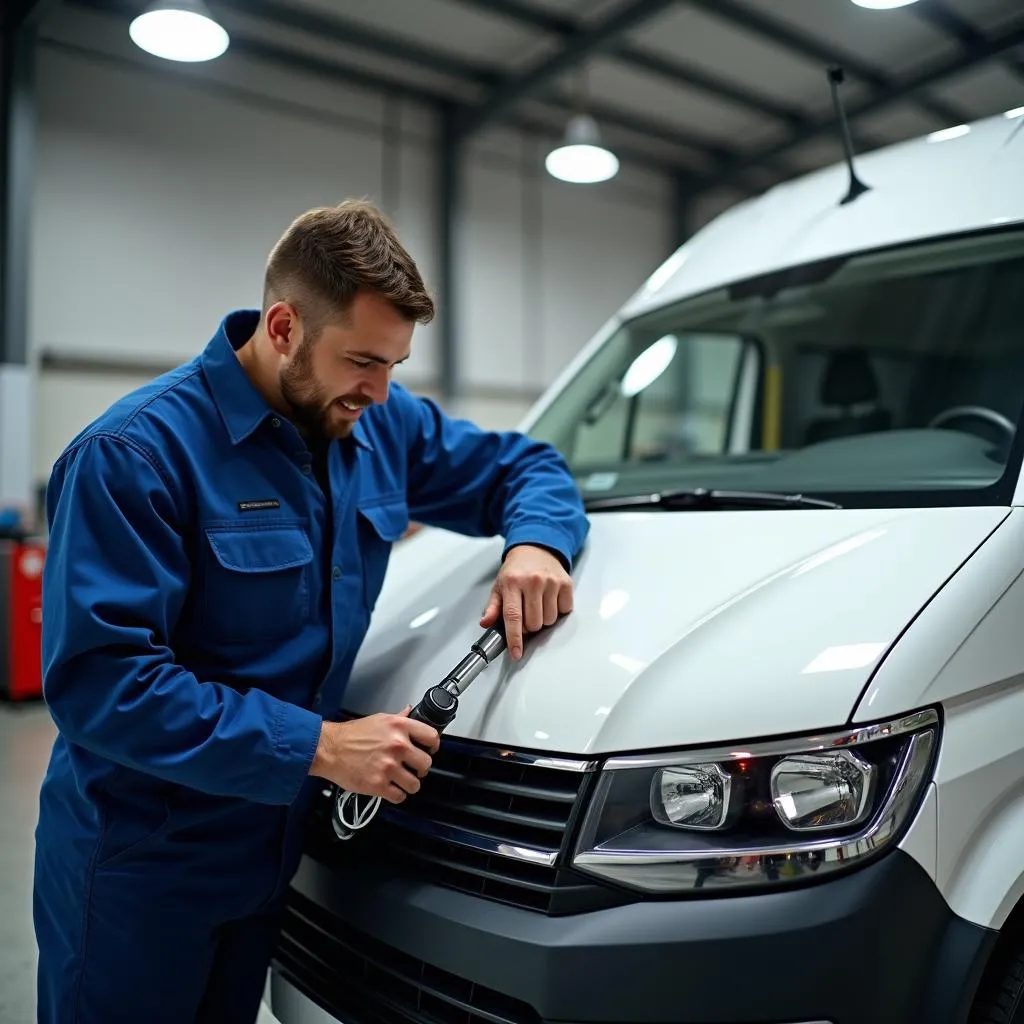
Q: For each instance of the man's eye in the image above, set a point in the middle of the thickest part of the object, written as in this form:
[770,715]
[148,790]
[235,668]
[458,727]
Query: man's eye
[361,363]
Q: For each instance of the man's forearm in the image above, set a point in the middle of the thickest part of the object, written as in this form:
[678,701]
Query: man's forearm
[156,717]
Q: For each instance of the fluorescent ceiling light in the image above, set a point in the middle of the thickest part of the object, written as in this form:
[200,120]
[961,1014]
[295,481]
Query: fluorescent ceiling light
[649,366]
[1016,112]
[883,5]
[581,159]
[182,30]
[945,134]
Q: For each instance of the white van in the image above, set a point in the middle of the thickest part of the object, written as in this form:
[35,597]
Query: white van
[771,769]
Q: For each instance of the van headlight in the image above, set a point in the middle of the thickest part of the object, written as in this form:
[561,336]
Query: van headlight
[766,815]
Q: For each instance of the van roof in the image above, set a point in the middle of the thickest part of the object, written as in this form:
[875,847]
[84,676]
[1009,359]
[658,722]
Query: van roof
[962,180]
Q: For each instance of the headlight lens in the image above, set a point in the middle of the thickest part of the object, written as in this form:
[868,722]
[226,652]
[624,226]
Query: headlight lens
[821,791]
[698,796]
[765,815]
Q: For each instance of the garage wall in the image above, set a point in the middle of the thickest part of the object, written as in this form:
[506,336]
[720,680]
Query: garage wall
[159,193]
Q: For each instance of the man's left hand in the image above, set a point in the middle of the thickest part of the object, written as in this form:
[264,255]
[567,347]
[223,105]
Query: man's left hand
[531,591]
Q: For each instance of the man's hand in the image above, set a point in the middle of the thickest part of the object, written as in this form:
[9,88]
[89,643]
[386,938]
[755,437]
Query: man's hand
[532,591]
[378,755]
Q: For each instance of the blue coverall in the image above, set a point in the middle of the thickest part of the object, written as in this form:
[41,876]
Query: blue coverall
[203,603]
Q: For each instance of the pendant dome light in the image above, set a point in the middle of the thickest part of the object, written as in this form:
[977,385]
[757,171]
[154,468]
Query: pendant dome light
[181,30]
[581,158]
[883,5]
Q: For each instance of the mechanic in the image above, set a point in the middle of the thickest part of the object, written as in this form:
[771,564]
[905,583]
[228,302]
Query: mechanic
[218,540]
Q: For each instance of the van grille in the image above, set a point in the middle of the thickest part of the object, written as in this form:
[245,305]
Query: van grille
[491,823]
[362,981]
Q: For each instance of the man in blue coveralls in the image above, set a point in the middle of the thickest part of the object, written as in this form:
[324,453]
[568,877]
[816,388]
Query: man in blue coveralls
[218,540]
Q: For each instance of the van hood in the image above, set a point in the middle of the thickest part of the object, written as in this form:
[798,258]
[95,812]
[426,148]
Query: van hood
[688,628]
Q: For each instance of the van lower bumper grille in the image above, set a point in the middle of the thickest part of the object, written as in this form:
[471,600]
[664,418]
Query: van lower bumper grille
[362,981]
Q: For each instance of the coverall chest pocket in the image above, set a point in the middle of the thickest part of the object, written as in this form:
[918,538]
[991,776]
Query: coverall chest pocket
[256,583]
[380,525]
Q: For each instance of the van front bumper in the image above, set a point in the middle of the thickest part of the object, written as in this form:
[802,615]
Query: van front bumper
[878,945]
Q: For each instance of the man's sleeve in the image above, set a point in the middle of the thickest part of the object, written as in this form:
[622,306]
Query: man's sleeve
[488,483]
[115,579]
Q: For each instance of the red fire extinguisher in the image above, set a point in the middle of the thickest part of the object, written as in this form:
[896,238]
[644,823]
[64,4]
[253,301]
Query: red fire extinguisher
[21,619]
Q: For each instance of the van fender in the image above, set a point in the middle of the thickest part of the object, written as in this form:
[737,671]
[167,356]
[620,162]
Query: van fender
[984,882]
[980,783]
[963,654]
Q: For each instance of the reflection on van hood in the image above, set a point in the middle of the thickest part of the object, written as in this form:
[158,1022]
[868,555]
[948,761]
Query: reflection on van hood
[688,628]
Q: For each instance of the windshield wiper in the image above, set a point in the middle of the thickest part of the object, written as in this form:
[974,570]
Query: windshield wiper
[703,498]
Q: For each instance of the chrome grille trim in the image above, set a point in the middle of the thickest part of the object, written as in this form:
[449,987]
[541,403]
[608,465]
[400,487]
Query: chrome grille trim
[510,756]
[473,840]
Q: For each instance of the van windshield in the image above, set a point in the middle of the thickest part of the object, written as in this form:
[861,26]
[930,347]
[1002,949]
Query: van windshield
[894,377]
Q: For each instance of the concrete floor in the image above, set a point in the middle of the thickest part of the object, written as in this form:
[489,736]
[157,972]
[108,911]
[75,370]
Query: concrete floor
[26,734]
[25,737]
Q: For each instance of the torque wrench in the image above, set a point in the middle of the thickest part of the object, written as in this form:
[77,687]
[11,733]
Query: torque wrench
[437,708]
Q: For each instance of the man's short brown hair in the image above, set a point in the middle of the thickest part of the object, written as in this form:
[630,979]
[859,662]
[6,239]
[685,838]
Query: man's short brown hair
[328,254]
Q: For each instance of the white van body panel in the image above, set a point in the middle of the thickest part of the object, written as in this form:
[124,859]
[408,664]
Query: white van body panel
[965,653]
[922,839]
[980,779]
[919,190]
[967,639]
[689,629]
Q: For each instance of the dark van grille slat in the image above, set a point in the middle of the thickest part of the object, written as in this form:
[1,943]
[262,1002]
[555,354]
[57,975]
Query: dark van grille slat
[527,821]
[490,823]
[566,796]
[448,863]
[493,828]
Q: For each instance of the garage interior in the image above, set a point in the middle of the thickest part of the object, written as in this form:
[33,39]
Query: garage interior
[140,195]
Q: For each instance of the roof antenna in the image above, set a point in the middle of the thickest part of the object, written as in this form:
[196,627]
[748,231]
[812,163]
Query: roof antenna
[857,187]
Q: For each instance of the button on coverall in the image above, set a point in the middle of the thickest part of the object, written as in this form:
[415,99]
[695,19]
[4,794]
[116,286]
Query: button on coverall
[202,608]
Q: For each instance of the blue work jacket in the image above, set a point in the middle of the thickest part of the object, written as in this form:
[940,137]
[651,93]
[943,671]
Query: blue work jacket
[203,603]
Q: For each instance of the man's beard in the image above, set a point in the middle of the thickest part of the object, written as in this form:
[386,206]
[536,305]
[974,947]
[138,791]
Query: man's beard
[311,410]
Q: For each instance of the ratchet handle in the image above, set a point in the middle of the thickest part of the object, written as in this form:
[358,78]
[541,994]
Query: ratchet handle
[437,708]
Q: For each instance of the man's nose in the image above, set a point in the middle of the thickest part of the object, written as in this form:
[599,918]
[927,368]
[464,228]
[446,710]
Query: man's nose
[375,388]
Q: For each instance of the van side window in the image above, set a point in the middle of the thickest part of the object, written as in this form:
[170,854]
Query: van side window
[677,395]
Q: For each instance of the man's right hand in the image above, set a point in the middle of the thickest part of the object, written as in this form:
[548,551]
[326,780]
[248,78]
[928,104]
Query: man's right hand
[378,755]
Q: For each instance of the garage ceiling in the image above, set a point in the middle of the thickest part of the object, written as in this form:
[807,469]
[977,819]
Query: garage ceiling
[715,91]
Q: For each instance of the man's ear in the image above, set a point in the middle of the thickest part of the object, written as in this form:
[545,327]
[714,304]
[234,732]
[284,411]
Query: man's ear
[282,326]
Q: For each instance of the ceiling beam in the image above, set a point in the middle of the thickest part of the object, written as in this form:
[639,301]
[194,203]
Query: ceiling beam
[261,51]
[673,71]
[29,14]
[813,49]
[251,47]
[947,20]
[577,49]
[719,87]
[347,33]
[659,131]
[716,86]
[968,58]
[532,15]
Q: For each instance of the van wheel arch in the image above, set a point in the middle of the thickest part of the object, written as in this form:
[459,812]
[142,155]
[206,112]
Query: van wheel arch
[1000,995]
